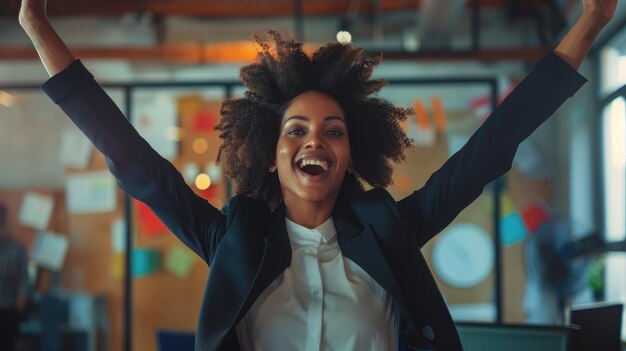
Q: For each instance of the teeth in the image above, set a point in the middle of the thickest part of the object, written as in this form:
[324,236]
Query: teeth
[309,161]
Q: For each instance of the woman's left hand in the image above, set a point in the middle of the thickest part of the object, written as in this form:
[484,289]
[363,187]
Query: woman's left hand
[602,10]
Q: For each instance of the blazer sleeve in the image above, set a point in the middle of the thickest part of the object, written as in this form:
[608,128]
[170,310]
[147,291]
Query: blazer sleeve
[140,171]
[489,152]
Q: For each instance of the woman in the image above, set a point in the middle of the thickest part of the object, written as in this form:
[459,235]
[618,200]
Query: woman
[301,257]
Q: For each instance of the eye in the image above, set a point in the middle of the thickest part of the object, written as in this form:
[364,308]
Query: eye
[295,132]
[335,133]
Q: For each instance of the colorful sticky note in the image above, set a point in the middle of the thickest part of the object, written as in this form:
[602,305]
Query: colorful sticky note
[441,122]
[204,121]
[179,261]
[534,216]
[149,223]
[36,210]
[420,114]
[117,265]
[209,193]
[145,262]
[512,229]
[506,204]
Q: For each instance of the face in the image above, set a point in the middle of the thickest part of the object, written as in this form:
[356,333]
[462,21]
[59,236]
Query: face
[313,150]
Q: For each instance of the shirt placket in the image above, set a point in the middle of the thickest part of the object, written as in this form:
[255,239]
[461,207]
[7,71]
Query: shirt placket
[316,299]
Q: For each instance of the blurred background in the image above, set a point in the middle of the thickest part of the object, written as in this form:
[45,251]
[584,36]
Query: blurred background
[541,243]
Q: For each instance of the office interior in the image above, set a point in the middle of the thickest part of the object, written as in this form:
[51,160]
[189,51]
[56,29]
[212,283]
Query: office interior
[169,64]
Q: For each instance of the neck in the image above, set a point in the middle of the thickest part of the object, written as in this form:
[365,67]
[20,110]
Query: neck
[309,214]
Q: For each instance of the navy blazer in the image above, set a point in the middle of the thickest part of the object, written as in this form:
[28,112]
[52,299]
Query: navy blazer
[246,244]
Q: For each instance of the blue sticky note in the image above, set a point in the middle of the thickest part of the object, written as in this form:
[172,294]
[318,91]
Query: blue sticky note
[145,262]
[512,229]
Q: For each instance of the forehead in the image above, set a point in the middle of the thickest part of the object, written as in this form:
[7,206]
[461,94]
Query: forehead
[313,104]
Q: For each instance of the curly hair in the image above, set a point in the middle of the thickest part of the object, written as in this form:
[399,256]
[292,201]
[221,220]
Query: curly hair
[249,126]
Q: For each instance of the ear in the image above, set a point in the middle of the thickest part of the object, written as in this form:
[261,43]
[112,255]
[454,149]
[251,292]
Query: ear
[350,168]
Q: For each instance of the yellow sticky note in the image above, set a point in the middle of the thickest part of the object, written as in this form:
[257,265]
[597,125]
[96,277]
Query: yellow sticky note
[117,265]
[179,261]
[506,205]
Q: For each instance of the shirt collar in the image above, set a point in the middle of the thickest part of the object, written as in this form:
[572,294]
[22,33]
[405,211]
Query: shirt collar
[304,236]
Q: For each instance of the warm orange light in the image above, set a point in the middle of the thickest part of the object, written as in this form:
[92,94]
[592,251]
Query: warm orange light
[200,145]
[203,181]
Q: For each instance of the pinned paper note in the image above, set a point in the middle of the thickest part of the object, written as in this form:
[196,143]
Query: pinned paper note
[149,223]
[512,229]
[91,192]
[535,216]
[75,149]
[190,172]
[154,118]
[530,160]
[118,235]
[36,210]
[49,249]
[145,262]
[179,261]
[424,136]
[214,171]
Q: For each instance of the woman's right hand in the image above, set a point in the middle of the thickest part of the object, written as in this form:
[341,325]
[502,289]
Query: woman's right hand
[32,10]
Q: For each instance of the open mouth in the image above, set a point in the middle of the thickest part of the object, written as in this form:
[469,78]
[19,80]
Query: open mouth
[314,166]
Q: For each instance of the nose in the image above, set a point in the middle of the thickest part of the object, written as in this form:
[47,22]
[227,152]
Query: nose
[315,141]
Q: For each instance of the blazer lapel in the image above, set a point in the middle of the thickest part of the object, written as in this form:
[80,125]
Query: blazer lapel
[276,258]
[360,245]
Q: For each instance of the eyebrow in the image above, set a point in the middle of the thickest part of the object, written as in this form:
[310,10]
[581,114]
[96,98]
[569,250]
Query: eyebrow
[306,119]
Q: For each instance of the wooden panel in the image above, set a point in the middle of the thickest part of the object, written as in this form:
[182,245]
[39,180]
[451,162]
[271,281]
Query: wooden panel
[245,52]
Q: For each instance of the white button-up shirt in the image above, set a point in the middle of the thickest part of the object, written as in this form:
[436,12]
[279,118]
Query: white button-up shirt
[322,301]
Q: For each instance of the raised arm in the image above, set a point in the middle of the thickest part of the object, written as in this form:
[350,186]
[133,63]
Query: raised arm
[489,152]
[139,170]
[576,44]
[52,51]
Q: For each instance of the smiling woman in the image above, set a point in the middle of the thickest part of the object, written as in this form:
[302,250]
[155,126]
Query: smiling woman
[283,83]
[302,258]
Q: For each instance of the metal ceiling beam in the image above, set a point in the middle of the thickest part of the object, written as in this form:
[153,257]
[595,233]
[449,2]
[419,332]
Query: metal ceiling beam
[223,9]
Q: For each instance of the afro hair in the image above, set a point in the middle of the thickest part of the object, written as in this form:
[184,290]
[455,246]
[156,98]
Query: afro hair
[249,126]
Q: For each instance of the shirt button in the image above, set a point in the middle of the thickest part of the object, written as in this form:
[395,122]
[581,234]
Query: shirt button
[312,334]
[428,333]
[316,292]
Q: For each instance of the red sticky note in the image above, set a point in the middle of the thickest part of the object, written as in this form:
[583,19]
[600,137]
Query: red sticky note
[208,193]
[204,121]
[534,216]
[149,223]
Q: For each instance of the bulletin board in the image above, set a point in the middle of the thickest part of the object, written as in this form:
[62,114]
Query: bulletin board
[523,192]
